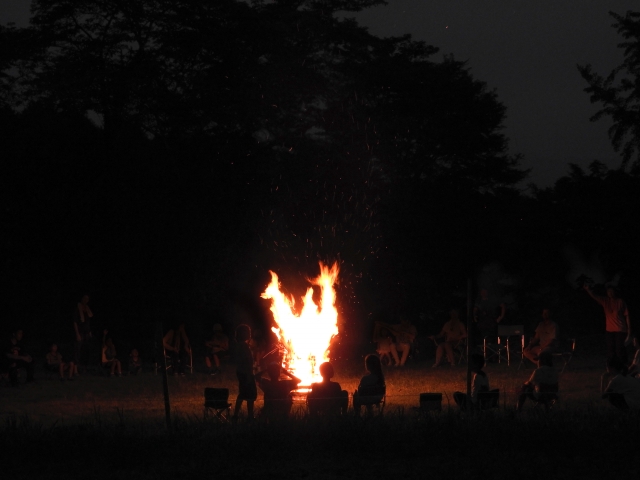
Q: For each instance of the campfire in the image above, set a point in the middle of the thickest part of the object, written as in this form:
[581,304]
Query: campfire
[305,331]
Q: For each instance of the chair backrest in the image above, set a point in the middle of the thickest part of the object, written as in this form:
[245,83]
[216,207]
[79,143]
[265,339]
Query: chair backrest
[216,396]
[373,390]
[510,330]
[547,392]
[488,399]
[548,388]
[430,401]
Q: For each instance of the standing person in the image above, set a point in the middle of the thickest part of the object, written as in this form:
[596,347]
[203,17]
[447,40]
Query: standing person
[55,363]
[18,358]
[82,327]
[218,346]
[634,367]
[618,324]
[453,333]
[277,392]
[247,390]
[176,344]
[488,312]
[545,338]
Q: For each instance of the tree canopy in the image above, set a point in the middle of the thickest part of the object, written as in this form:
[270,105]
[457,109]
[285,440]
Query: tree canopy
[183,148]
[619,91]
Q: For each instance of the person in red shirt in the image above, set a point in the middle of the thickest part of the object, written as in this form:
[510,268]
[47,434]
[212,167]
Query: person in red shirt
[618,324]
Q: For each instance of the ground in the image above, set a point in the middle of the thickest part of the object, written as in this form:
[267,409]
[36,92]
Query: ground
[100,427]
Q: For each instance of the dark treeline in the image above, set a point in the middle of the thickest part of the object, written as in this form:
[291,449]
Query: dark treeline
[162,156]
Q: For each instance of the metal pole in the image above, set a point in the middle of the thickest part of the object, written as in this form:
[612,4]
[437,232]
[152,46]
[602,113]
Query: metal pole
[165,381]
[469,339]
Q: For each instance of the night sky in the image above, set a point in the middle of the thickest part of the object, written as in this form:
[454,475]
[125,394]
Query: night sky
[527,51]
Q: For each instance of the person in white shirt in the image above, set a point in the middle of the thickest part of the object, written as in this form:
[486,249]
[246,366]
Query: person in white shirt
[543,383]
[623,391]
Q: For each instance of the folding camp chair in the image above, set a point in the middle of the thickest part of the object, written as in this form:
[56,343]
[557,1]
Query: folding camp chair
[333,405]
[169,362]
[547,395]
[488,399]
[566,352]
[369,397]
[506,345]
[216,401]
[459,351]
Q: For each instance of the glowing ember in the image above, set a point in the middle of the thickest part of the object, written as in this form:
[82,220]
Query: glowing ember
[305,335]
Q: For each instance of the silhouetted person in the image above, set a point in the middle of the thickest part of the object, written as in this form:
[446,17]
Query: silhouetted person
[135,362]
[247,390]
[218,346]
[453,332]
[176,344]
[18,358]
[618,324]
[634,366]
[277,391]
[55,363]
[109,356]
[82,328]
[386,347]
[545,338]
[327,397]
[623,391]
[488,312]
[372,388]
[542,383]
[404,333]
[479,384]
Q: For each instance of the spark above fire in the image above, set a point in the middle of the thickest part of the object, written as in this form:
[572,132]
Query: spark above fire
[305,335]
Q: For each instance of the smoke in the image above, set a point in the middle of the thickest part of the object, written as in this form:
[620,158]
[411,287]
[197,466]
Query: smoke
[498,282]
[583,270]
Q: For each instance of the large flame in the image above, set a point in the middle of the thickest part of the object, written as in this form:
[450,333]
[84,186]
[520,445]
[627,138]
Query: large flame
[305,336]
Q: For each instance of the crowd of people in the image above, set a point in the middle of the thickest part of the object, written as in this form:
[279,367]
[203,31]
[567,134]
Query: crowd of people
[257,366]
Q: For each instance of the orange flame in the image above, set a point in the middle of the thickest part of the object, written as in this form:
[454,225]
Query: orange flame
[305,336]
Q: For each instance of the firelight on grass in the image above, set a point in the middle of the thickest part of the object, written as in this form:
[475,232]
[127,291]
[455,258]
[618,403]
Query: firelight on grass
[306,335]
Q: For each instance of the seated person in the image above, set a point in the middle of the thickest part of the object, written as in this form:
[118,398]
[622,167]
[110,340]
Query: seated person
[17,358]
[545,339]
[177,347]
[623,391]
[453,333]
[327,396]
[218,346]
[372,388]
[634,367]
[479,385]
[135,362]
[543,384]
[277,393]
[109,358]
[55,364]
[386,347]
[404,333]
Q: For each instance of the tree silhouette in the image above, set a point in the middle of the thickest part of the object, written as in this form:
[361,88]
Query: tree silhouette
[619,92]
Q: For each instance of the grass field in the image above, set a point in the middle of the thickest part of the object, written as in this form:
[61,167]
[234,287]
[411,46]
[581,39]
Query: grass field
[100,427]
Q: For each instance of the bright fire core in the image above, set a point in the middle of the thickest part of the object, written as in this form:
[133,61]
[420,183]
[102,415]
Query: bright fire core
[306,335]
